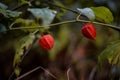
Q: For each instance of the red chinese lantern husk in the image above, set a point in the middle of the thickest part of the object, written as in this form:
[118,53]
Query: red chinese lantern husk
[46,42]
[89,31]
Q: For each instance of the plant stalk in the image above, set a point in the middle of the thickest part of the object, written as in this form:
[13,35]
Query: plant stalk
[65,22]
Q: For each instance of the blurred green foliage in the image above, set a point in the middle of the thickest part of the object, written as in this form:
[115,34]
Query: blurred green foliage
[111,53]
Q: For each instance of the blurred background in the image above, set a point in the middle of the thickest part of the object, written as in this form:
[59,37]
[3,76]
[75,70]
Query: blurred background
[71,50]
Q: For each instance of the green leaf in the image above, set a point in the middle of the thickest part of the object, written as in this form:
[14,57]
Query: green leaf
[103,14]
[21,46]
[12,13]
[3,6]
[44,14]
[9,14]
[111,53]
[3,12]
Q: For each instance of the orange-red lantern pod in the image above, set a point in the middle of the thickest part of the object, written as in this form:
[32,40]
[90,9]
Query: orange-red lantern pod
[89,31]
[46,42]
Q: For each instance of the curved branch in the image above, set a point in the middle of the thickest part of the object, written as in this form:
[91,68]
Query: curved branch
[31,71]
[103,24]
[70,21]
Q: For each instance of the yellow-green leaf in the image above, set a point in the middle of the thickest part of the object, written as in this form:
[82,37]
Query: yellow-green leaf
[17,71]
[111,53]
[30,24]
[103,14]
[21,46]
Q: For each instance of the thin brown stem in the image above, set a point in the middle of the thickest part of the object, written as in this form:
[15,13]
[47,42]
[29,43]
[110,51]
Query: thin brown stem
[68,74]
[40,27]
[103,24]
[33,70]
[22,76]
[92,73]
[65,22]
